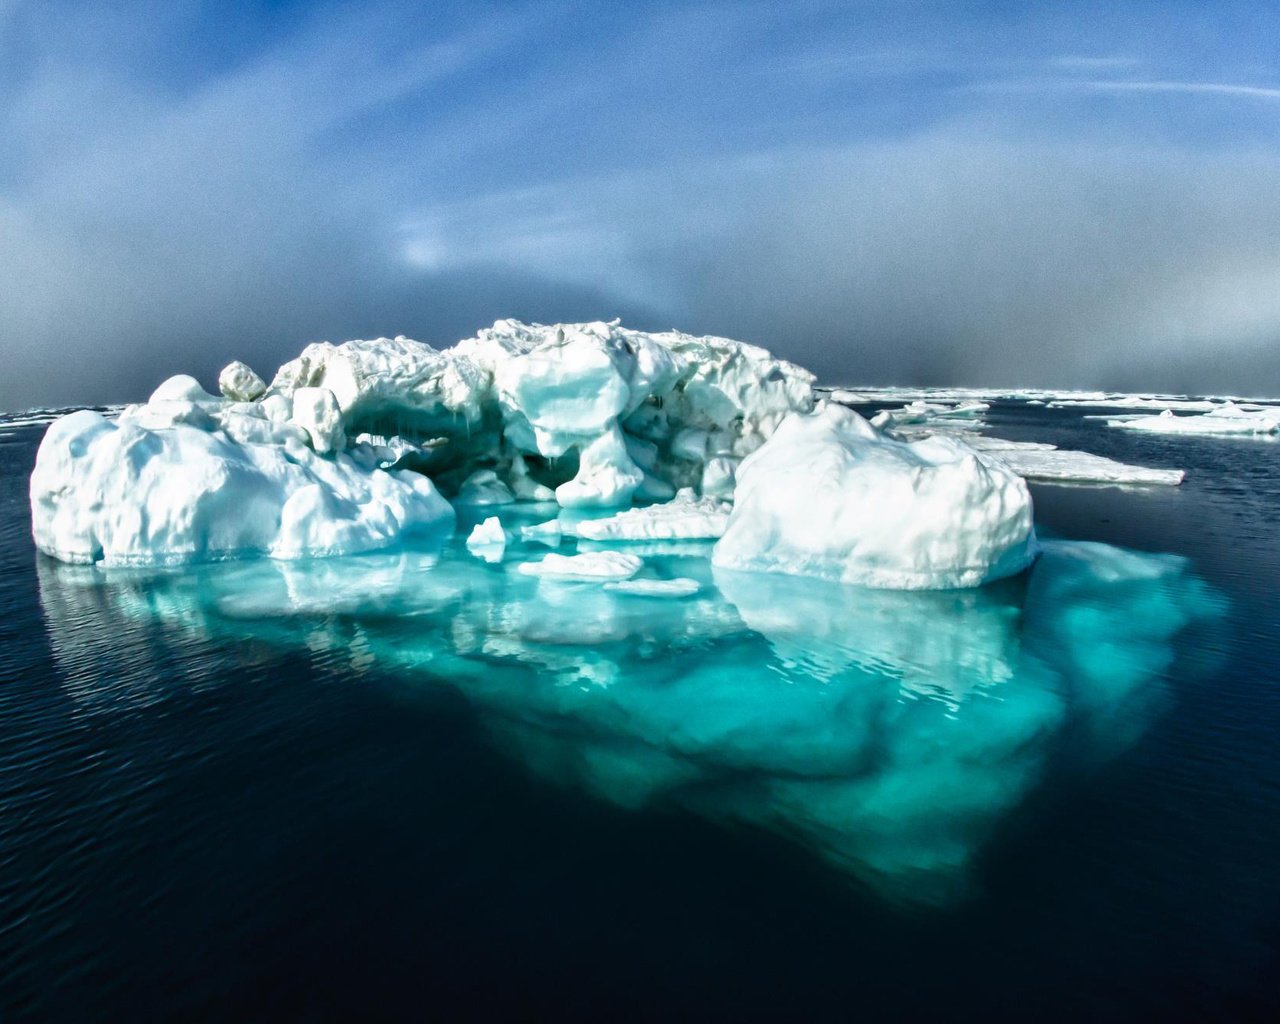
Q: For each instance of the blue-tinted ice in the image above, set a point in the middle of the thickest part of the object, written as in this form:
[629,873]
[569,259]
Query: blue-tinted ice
[890,733]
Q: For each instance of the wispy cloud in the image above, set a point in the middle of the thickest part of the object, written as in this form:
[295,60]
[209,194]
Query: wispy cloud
[1232,89]
[884,199]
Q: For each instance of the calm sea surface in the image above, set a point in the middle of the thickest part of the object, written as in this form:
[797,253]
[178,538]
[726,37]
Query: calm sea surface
[414,785]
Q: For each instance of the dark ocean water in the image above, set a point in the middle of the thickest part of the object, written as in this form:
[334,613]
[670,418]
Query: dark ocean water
[413,786]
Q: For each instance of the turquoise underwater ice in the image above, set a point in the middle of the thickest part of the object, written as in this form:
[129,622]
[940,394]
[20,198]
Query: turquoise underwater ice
[888,733]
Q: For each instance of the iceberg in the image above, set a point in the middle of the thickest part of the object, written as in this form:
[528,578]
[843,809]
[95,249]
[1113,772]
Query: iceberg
[830,496]
[591,416]
[239,383]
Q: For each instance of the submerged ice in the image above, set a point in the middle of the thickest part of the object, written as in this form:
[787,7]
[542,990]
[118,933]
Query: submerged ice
[891,734]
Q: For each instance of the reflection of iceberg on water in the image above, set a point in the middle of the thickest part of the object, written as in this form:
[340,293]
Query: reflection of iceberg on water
[888,732]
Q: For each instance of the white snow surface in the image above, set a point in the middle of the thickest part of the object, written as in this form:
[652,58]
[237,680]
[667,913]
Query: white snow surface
[1036,460]
[1065,466]
[178,480]
[240,384]
[830,496]
[920,412]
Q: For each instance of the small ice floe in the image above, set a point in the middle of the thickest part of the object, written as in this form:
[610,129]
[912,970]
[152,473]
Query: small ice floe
[1225,420]
[488,540]
[1057,466]
[681,586]
[591,566]
[920,412]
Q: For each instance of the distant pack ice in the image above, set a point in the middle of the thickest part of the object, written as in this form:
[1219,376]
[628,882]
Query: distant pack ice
[352,446]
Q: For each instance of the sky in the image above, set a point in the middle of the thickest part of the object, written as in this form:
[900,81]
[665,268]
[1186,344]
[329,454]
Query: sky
[1050,194]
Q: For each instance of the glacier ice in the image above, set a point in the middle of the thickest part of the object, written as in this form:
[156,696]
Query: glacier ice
[828,495]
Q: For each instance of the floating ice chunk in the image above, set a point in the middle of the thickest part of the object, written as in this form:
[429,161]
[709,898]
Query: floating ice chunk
[316,411]
[240,384]
[126,494]
[681,586]
[685,517]
[1081,467]
[592,565]
[488,540]
[1155,404]
[548,533]
[830,496]
[1223,421]
[484,488]
[921,412]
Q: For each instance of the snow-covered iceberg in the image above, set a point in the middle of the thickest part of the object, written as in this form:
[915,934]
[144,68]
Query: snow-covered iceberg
[180,480]
[830,496]
[345,448]
[597,413]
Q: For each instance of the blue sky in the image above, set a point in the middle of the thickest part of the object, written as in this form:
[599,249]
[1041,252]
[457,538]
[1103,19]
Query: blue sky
[1042,194]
